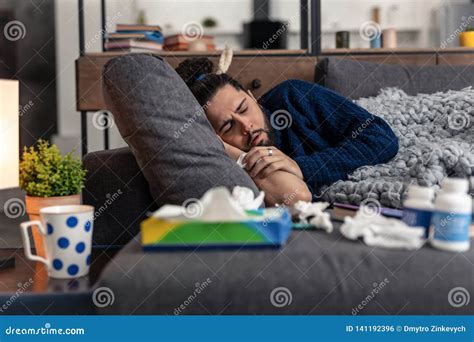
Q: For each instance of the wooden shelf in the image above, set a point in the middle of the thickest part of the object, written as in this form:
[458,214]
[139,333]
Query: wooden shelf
[204,53]
[265,71]
[364,51]
[269,67]
[255,52]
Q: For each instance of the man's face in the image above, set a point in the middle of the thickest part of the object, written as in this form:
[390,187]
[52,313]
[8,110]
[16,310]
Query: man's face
[238,119]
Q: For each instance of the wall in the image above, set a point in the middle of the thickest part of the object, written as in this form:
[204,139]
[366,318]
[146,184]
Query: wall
[29,48]
[416,20]
[67,50]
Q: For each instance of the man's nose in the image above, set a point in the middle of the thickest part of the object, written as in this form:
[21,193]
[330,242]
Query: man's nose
[245,124]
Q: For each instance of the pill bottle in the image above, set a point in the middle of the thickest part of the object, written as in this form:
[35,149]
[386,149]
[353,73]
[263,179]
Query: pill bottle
[418,207]
[452,216]
[471,193]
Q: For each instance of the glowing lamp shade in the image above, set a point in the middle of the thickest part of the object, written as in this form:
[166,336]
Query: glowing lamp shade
[9,133]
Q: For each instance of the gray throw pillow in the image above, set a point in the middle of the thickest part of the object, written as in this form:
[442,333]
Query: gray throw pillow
[167,130]
[356,79]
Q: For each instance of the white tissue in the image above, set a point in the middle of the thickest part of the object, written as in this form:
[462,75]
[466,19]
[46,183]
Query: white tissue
[377,230]
[319,219]
[217,204]
[241,159]
[246,199]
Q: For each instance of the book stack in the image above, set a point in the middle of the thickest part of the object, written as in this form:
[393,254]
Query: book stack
[181,42]
[135,38]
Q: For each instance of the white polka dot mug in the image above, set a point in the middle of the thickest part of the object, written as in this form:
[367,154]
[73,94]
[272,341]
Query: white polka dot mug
[67,232]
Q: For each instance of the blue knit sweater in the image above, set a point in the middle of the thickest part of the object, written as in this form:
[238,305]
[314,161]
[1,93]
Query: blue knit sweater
[329,136]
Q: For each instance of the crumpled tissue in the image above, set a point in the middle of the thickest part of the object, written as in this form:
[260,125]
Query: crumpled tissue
[217,204]
[313,214]
[240,160]
[377,230]
[246,198]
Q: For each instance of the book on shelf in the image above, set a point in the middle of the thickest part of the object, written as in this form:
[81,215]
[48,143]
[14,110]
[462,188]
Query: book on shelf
[128,37]
[137,27]
[183,39]
[139,35]
[134,50]
[180,42]
[115,35]
[150,38]
[127,44]
[185,47]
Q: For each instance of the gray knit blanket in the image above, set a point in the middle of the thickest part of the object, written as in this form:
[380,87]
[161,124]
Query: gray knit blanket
[436,138]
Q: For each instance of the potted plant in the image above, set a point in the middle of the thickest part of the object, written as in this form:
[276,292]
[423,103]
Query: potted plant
[209,22]
[466,38]
[48,178]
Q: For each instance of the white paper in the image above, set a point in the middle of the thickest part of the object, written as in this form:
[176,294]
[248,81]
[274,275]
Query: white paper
[246,199]
[313,214]
[217,204]
[377,230]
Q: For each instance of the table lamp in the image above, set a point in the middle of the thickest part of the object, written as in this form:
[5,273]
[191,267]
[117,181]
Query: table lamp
[9,142]
[9,134]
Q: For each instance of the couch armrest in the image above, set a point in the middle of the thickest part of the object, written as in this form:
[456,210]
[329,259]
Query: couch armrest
[119,193]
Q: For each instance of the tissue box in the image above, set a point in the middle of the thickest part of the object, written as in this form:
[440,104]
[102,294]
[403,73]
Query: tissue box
[269,227]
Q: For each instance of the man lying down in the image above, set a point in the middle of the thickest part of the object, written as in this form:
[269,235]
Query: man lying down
[297,137]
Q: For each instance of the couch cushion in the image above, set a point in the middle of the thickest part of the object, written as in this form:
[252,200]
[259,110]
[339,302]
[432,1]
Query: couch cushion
[117,190]
[355,79]
[173,142]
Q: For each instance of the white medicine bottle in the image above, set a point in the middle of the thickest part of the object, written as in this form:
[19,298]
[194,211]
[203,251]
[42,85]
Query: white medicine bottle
[418,207]
[452,216]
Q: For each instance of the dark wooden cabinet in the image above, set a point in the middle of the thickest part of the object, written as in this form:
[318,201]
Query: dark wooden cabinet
[259,72]
[256,73]
[456,59]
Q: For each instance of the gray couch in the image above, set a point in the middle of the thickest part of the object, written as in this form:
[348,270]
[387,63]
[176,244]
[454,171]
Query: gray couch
[115,184]
[116,169]
[314,273]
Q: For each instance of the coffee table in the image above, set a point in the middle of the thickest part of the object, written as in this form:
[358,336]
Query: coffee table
[26,288]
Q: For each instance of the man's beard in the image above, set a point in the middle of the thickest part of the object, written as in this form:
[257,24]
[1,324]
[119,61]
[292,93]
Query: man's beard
[270,141]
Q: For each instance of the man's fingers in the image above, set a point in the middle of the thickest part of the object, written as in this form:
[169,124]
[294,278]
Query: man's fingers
[279,165]
[257,160]
[252,157]
[257,153]
[262,163]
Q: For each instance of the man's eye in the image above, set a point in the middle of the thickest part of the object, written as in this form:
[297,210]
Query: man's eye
[243,110]
[229,125]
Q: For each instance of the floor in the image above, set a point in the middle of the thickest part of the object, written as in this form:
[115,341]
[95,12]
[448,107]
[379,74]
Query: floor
[12,213]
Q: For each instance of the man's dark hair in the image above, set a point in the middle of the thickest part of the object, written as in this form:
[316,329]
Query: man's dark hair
[199,75]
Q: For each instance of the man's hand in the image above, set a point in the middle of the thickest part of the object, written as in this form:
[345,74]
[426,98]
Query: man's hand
[232,152]
[261,164]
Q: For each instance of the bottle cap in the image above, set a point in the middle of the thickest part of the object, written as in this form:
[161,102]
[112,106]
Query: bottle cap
[416,191]
[458,185]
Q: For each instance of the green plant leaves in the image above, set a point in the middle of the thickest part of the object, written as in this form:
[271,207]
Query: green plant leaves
[45,173]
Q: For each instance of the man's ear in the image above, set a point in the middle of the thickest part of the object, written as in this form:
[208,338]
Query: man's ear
[251,95]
